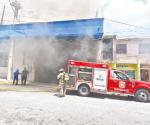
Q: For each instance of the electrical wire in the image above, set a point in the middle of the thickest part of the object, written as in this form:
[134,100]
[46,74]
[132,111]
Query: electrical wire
[127,24]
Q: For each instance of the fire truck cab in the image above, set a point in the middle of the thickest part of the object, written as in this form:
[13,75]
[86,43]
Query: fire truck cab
[90,77]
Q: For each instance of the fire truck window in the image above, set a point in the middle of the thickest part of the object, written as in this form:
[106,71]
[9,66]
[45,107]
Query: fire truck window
[85,69]
[113,75]
[72,70]
[121,76]
[86,77]
[85,74]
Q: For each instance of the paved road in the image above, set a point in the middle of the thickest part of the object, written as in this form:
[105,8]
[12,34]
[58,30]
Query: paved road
[43,108]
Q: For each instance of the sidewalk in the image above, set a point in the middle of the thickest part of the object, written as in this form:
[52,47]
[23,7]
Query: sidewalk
[30,87]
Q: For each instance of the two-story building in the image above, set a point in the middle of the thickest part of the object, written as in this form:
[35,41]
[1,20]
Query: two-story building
[128,54]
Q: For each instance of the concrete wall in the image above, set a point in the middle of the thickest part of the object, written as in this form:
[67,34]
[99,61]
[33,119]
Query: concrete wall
[4,52]
[133,55]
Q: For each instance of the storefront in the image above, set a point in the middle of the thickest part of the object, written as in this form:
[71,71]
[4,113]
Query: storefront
[132,70]
[145,72]
[45,47]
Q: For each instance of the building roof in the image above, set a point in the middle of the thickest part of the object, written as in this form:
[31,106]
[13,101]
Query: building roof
[70,28]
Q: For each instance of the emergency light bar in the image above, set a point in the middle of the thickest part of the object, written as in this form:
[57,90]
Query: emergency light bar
[87,64]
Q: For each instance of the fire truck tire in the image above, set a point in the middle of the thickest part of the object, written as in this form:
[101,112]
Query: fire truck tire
[84,90]
[142,95]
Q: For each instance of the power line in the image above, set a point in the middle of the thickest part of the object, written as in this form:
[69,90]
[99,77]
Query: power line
[127,24]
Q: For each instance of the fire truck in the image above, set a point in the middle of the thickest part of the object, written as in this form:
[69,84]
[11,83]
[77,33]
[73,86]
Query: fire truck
[90,77]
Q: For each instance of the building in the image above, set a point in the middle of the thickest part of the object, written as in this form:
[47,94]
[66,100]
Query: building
[128,54]
[45,47]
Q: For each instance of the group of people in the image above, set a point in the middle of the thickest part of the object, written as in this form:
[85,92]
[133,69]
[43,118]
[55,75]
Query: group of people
[24,75]
[63,78]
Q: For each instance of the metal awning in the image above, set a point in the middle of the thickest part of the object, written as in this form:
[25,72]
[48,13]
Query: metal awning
[92,28]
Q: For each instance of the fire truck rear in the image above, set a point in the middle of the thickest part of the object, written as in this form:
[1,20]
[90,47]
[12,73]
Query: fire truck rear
[90,77]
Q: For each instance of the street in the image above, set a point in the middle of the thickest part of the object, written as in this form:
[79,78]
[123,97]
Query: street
[44,108]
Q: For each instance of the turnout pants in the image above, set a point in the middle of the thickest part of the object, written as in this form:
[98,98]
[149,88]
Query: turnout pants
[62,90]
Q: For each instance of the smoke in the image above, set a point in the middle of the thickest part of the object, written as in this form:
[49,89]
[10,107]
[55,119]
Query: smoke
[45,56]
[51,10]
[86,50]
[144,1]
[105,6]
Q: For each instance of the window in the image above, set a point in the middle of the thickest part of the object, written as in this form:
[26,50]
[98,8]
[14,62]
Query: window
[107,49]
[85,70]
[85,74]
[72,70]
[121,48]
[118,75]
[144,75]
[130,73]
[144,48]
[72,75]
[86,77]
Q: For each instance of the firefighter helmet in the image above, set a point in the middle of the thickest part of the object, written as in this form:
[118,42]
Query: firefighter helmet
[61,70]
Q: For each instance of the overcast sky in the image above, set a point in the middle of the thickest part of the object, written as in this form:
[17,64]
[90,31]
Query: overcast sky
[130,11]
[135,12]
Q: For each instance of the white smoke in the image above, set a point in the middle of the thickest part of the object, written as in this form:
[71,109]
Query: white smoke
[105,6]
[144,1]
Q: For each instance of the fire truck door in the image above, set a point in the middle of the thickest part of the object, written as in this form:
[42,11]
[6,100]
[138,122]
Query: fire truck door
[100,79]
[72,75]
[119,83]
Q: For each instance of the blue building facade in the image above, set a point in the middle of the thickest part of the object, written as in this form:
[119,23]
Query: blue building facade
[72,28]
[43,46]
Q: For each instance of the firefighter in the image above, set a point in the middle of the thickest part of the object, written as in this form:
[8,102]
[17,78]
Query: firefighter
[16,75]
[63,79]
[24,75]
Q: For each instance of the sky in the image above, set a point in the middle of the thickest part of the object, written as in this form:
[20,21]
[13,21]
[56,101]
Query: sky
[130,11]
[136,12]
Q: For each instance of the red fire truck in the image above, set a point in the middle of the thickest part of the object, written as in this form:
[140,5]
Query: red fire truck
[88,77]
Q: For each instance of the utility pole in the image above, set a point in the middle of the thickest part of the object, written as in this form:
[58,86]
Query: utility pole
[3,13]
[16,6]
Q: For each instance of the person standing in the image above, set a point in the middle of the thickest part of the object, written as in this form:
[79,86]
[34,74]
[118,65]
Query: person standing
[24,76]
[63,79]
[16,75]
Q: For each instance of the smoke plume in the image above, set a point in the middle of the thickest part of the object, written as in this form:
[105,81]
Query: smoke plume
[144,1]
[45,56]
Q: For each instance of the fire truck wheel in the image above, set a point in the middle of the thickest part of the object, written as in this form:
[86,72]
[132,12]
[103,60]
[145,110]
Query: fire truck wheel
[84,90]
[142,95]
